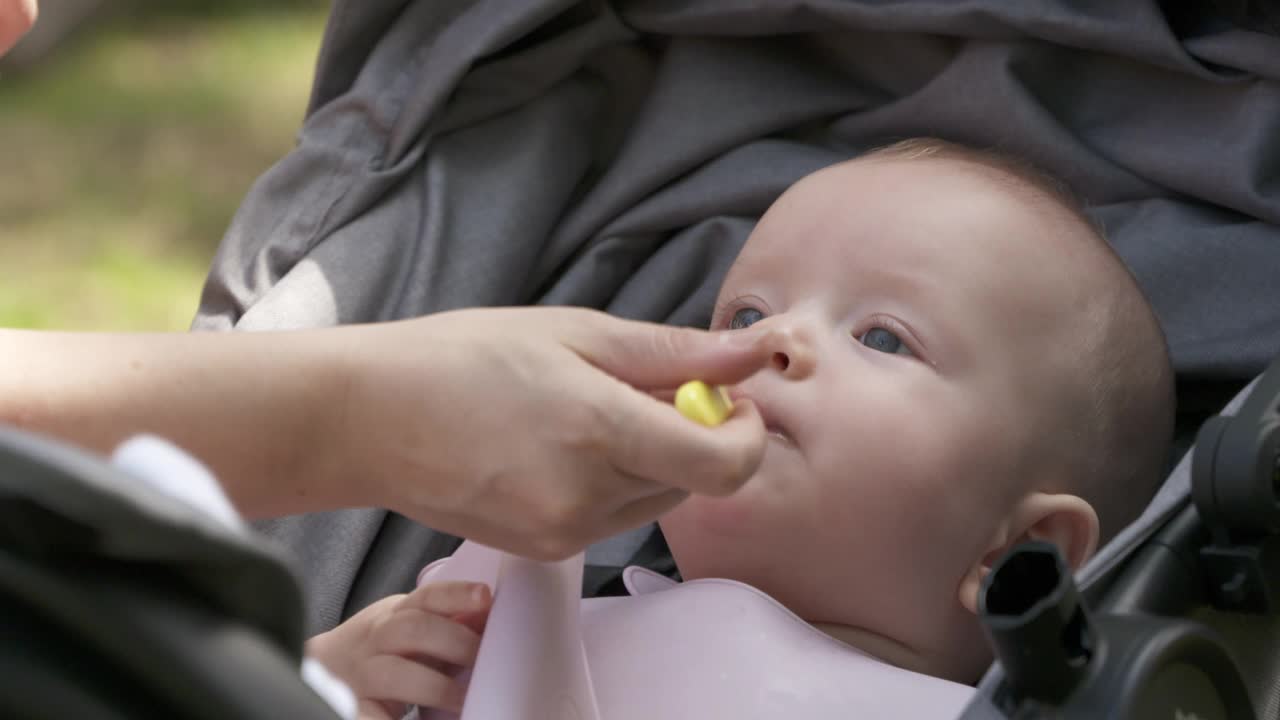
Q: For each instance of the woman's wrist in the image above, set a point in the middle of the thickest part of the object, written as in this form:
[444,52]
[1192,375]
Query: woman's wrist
[326,474]
[292,460]
[381,426]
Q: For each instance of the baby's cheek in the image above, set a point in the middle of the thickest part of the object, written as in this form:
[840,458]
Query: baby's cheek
[720,517]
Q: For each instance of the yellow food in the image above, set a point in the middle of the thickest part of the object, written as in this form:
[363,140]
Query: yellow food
[702,403]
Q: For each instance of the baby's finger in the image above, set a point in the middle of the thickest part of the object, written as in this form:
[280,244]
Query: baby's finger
[417,633]
[449,598]
[374,710]
[390,678]
[474,620]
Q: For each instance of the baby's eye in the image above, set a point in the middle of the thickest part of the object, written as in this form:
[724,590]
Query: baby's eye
[745,317]
[886,341]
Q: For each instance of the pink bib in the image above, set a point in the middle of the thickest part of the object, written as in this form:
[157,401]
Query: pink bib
[701,649]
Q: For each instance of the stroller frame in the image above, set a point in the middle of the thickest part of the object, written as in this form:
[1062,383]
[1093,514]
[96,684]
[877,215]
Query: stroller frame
[1143,655]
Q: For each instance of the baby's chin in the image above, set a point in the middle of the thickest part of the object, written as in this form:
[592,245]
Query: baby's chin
[725,536]
[703,528]
[766,505]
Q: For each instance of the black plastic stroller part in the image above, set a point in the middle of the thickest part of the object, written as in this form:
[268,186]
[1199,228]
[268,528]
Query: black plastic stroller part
[1037,622]
[111,607]
[1163,575]
[1060,662]
[1235,484]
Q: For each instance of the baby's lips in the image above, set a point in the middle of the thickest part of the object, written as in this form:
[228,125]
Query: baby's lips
[738,396]
[771,423]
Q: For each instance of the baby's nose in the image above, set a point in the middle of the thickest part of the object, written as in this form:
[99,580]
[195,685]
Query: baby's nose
[794,355]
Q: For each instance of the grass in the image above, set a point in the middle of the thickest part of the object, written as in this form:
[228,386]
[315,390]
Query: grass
[123,158]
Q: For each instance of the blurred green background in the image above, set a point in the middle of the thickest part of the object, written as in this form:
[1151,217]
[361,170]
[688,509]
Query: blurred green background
[129,133]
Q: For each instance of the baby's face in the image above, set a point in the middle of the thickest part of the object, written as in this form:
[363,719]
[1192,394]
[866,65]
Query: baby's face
[913,296]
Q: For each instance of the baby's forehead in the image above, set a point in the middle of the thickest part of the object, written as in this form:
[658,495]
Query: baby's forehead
[1002,183]
[943,235]
[907,205]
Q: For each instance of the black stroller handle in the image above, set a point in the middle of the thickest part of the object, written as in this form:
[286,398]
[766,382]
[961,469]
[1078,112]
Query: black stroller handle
[1236,467]
[1235,484]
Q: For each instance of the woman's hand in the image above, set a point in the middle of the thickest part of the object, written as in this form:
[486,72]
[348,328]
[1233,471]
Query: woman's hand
[533,430]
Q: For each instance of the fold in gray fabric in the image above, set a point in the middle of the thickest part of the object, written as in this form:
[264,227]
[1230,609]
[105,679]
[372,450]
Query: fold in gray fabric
[616,155]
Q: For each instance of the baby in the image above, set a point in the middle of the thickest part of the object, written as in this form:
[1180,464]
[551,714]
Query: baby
[961,364]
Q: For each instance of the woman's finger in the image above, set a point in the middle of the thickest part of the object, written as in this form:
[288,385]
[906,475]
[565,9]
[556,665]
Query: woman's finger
[662,446]
[646,355]
[646,510]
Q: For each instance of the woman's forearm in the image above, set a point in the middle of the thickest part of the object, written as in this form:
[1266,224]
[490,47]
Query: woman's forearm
[249,405]
[532,430]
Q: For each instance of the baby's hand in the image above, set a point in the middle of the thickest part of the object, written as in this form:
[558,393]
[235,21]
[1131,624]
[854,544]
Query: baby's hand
[407,649]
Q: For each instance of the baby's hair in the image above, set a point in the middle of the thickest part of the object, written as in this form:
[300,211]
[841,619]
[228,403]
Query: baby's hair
[1117,442]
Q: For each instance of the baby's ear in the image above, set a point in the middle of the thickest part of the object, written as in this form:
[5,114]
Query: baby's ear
[1067,521]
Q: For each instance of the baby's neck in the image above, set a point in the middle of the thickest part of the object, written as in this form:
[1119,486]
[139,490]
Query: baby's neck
[877,646]
[891,651]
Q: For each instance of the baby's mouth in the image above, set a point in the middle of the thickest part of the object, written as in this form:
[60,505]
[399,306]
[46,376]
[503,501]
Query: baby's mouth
[772,428]
[778,434]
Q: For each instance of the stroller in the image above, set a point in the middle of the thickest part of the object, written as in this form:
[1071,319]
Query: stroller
[1207,564]
[615,155]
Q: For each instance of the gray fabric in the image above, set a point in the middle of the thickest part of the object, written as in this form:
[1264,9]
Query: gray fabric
[616,155]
